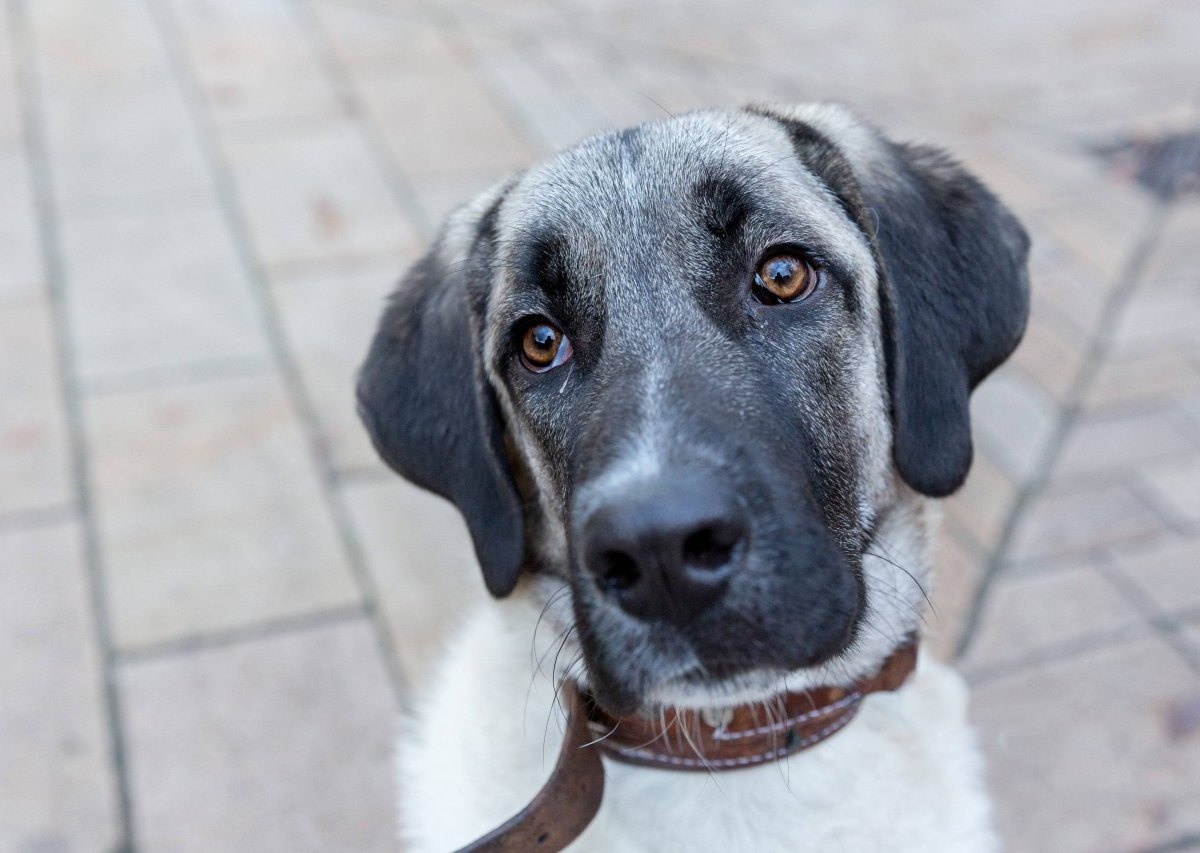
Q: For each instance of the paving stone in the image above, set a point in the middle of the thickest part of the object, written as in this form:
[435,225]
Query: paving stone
[210,512]
[1175,485]
[329,317]
[1082,757]
[983,504]
[127,145]
[1102,239]
[958,571]
[117,122]
[1135,380]
[671,90]
[255,60]
[316,194]
[1189,404]
[1166,569]
[544,99]
[86,46]
[1008,174]
[1052,354]
[1125,440]
[601,76]
[1013,420]
[1076,296]
[279,744]
[377,40]
[1159,319]
[1176,256]
[437,195]
[1063,168]
[20,250]
[1031,614]
[35,470]
[1082,516]
[1191,636]
[421,559]
[10,116]
[56,781]
[159,289]
[463,128]
[1097,113]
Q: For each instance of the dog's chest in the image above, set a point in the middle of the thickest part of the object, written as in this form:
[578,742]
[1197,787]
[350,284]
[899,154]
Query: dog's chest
[904,775]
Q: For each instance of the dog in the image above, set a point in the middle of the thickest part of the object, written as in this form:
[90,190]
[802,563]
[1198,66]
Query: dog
[692,386]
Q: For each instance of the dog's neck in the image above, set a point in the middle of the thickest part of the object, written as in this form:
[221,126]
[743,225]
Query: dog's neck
[739,737]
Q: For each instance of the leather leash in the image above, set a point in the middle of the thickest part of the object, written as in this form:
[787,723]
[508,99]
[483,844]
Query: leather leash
[737,737]
[568,801]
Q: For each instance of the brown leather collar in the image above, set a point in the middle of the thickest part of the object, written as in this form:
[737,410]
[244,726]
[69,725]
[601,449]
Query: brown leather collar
[745,735]
[677,740]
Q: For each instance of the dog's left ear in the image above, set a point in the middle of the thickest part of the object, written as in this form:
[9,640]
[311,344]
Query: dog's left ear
[425,401]
[954,290]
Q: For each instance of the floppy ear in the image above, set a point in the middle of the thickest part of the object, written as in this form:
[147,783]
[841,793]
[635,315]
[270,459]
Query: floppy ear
[427,406]
[954,290]
[954,299]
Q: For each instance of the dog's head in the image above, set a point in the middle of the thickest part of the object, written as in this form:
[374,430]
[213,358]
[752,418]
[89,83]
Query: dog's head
[692,369]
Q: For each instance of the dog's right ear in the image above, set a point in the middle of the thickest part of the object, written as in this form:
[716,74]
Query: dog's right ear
[953,283]
[426,403]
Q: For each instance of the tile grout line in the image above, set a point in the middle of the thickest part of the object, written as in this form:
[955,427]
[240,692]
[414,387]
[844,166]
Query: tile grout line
[226,637]
[38,517]
[400,187]
[36,140]
[1124,286]
[465,50]
[1061,651]
[446,21]
[1166,624]
[225,186]
[1187,841]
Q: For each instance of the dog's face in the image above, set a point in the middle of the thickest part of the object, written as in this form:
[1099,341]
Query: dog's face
[691,369]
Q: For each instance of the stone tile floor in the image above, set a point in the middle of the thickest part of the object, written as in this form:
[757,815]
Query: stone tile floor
[213,600]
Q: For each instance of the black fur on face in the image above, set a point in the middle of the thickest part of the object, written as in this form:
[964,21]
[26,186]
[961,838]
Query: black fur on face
[642,248]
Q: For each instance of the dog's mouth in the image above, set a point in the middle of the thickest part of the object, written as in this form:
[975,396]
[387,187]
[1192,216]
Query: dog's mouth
[676,673]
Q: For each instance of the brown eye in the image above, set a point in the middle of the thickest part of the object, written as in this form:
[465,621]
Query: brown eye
[544,346]
[783,278]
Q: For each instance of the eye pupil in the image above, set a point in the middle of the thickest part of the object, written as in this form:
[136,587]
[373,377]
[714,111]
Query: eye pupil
[543,337]
[780,270]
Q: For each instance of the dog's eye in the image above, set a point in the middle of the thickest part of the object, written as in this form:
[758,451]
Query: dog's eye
[783,278]
[544,346]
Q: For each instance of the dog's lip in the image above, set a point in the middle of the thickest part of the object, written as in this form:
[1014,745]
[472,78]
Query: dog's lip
[714,683]
[717,672]
[724,673]
[717,681]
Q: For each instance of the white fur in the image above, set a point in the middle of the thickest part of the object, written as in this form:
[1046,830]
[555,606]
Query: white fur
[905,775]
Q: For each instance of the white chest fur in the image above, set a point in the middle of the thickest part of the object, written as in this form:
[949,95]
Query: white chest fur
[905,775]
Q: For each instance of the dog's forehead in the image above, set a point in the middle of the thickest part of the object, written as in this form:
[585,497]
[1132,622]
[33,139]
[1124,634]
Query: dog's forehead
[617,194]
[628,168]
[644,172]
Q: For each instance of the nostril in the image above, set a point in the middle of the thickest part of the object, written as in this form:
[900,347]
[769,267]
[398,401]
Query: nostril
[618,571]
[710,547]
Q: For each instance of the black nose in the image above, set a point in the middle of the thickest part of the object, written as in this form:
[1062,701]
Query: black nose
[666,551]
